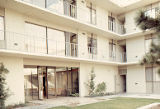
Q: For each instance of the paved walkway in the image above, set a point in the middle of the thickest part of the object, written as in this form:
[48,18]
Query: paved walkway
[76,101]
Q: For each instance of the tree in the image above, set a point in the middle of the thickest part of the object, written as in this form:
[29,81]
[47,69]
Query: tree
[91,83]
[3,90]
[146,22]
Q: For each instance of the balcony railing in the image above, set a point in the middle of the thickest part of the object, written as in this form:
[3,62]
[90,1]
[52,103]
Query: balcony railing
[70,9]
[116,27]
[123,57]
[78,12]
[41,45]
[153,12]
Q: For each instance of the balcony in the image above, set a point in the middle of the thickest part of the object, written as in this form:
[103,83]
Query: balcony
[153,12]
[123,57]
[116,27]
[62,7]
[80,13]
[39,46]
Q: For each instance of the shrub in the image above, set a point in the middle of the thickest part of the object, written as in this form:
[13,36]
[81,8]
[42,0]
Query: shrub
[101,88]
[91,83]
[3,91]
[75,95]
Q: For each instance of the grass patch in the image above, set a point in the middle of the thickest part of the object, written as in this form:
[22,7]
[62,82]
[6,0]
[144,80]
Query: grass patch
[116,103]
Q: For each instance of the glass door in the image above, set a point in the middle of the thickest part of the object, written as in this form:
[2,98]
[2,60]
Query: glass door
[51,77]
[42,80]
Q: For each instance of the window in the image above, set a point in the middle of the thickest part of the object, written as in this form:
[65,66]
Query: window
[152,74]
[35,40]
[149,74]
[30,83]
[1,28]
[70,8]
[56,42]
[40,3]
[112,49]
[55,5]
[111,23]
[152,12]
[152,80]
[92,11]
[92,44]
[148,40]
[71,44]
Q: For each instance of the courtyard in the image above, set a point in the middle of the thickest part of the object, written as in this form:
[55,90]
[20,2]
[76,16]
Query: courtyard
[120,101]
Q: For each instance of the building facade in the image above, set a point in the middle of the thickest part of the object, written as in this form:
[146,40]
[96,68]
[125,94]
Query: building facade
[51,46]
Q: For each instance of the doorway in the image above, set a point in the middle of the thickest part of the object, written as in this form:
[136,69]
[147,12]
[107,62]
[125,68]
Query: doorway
[123,77]
[44,87]
[42,80]
[46,82]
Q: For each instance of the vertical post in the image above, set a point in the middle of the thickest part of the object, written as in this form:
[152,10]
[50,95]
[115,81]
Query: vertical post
[91,13]
[47,82]
[67,79]
[152,80]
[45,3]
[72,79]
[38,81]
[31,85]
[47,40]
[55,82]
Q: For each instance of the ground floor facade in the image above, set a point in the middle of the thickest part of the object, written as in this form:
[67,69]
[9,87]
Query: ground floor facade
[38,79]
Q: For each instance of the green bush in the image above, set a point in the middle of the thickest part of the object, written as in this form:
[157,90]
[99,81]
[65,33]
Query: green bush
[75,95]
[91,83]
[101,88]
[3,90]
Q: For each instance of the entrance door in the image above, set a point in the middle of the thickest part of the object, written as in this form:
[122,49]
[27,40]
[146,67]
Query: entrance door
[124,84]
[42,79]
[123,77]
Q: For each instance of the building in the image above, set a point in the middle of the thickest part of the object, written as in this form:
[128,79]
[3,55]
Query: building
[51,46]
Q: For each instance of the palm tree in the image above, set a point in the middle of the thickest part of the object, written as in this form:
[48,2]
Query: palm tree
[146,22]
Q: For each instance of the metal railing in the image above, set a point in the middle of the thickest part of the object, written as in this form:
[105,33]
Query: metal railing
[41,45]
[116,27]
[153,12]
[70,9]
[81,13]
[123,57]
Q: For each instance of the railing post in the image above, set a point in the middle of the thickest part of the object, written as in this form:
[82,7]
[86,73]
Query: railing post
[56,48]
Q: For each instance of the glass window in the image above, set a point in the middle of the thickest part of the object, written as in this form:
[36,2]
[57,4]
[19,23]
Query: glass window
[92,44]
[70,8]
[51,82]
[111,23]
[93,16]
[91,9]
[56,42]
[55,5]
[1,28]
[40,3]
[149,74]
[31,83]
[71,44]
[152,74]
[148,40]
[147,45]
[112,49]
[35,41]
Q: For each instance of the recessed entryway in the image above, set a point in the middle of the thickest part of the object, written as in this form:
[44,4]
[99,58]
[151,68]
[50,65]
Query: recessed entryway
[44,82]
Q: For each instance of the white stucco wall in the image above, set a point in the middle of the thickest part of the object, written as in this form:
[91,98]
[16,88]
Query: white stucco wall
[130,24]
[15,22]
[136,79]
[103,73]
[14,79]
[135,48]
